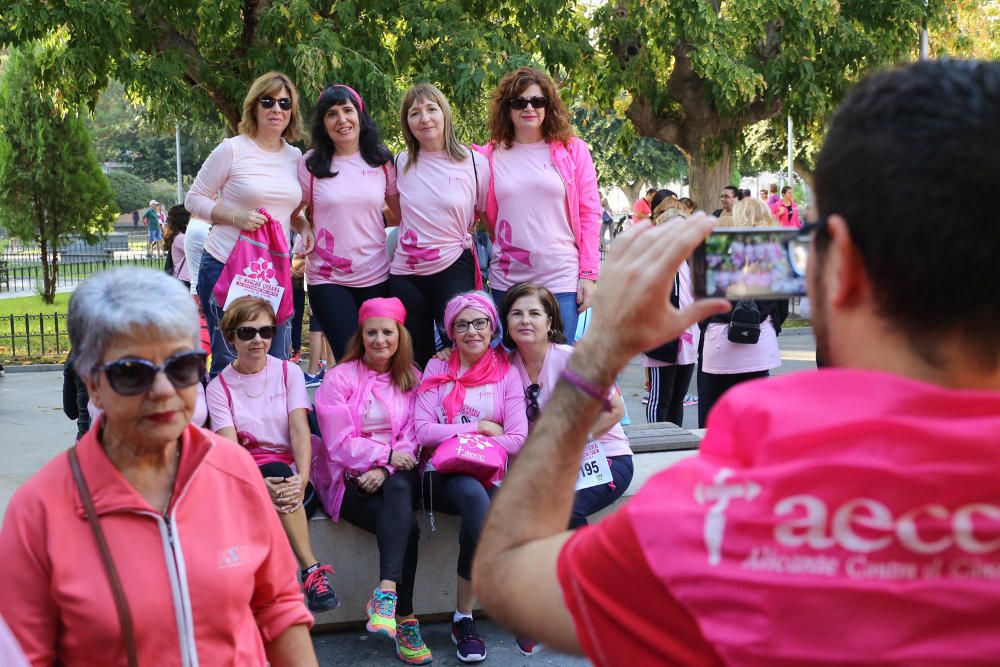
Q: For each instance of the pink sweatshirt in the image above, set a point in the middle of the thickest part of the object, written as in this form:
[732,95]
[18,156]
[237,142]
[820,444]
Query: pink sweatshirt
[864,509]
[502,402]
[583,201]
[244,175]
[351,394]
[615,441]
[210,582]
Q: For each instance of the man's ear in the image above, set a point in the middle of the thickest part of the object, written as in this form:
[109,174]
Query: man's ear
[844,274]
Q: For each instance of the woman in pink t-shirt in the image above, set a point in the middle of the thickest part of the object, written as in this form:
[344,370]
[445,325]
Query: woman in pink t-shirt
[475,391]
[261,403]
[442,187]
[347,179]
[253,170]
[544,209]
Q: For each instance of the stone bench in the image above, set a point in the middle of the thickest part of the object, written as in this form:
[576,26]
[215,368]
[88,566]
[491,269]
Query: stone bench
[354,553]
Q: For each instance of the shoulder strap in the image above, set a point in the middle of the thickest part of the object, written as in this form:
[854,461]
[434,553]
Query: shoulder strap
[229,397]
[124,615]
[284,373]
[475,169]
[312,205]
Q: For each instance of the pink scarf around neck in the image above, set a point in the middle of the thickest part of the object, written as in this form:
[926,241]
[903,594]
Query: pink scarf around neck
[489,369]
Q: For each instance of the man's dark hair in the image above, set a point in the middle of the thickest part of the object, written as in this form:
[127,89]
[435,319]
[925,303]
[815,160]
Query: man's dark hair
[910,162]
[735,190]
[660,196]
[651,191]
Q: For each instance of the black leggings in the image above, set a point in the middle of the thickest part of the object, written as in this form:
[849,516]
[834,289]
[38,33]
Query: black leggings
[278,469]
[425,298]
[712,387]
[336,308]
[667,386]
[389,515]
[464,495]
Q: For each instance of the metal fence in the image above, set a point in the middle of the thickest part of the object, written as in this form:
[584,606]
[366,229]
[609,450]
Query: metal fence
[22,272]
[33,335]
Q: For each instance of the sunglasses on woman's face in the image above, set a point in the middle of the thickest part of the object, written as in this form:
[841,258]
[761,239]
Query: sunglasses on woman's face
[536,102]
[531,396]
[249,333]
[130,376]
[284,103]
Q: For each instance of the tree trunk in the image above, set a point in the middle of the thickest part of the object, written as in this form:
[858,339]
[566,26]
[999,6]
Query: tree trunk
[708,178]
[48,285]
[633,191]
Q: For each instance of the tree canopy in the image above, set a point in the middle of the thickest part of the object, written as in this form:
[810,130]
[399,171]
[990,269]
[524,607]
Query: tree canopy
[51,187]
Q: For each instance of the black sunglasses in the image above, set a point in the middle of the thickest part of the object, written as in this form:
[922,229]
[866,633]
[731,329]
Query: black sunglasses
[536,102]
[284,103]
[130,376]
[248,333]
[531,395]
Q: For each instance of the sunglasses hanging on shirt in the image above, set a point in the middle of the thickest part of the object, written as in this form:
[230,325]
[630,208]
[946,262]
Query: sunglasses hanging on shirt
[536,102]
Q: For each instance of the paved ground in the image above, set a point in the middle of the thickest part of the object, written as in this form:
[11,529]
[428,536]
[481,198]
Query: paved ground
[34,430]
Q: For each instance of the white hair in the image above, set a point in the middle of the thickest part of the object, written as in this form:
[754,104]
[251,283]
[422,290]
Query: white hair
[119,302]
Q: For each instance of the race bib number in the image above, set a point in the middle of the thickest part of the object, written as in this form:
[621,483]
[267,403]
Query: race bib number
[594,468]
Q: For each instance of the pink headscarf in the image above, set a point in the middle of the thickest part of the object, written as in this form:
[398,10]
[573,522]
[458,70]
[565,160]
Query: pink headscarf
[489,369]
[392,308]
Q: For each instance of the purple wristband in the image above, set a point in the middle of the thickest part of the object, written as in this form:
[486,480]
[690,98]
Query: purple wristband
[586,386]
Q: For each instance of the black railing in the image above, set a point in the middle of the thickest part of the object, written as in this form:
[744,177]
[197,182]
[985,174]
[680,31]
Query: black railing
[26,276]
[36,335]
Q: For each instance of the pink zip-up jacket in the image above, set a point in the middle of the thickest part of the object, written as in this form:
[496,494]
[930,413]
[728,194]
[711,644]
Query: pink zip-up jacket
[583,201]
[780,213]
[208,583]
[340,401]
[509,411]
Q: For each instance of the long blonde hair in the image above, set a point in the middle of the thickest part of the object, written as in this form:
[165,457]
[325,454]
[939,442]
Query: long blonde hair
[427,92]
[752,212]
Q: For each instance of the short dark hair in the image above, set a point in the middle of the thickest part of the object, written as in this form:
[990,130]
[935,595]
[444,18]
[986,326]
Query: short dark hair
[549,303]
[660,196]
[786,189]
[651,191]
[932,264]
[735,190]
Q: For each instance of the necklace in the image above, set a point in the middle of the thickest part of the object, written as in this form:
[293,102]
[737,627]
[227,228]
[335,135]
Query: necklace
[239,380]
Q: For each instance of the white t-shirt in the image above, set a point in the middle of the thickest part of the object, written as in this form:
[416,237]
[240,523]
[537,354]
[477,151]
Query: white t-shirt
[194,246]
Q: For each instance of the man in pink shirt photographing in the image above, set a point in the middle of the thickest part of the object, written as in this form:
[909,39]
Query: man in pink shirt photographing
[845,516]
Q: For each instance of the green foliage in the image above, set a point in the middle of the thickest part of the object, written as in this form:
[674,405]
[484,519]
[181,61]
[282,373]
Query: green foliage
[195,58]
[623,159]
[51,187]
[164,192]
[131,192]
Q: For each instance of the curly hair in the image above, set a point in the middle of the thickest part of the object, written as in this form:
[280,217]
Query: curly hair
[555,127]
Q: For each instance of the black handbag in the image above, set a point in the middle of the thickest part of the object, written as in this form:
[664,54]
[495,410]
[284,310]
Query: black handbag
[744,325]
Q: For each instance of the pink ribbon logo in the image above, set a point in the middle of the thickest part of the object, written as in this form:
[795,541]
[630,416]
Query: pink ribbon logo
[414,253]
[508,251]
[331,262]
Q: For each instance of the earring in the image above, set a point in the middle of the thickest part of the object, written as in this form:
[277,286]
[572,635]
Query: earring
[550,333]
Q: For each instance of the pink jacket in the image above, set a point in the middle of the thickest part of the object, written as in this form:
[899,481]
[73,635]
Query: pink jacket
[780,213]
[339,402]
[868,511]
[509,411]
[583,202]
[209,582]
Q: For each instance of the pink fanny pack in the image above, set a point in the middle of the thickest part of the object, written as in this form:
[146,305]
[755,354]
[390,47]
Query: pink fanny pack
[260,266]
[471,454]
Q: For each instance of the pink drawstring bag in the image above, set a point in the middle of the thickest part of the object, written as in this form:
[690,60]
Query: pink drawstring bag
[471,454]
[260,266]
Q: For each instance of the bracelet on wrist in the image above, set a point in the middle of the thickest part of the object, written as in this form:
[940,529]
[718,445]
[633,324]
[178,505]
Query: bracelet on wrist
[587,387]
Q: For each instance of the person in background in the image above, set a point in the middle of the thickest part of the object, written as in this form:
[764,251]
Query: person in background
[194,247]
[347,178]
[442,189]
[320,356]
[173,244]
[475,391]
[552,236]
[687,206]
[135,217]
[642,210]
[763,195]
[75,398]
[366,465]
[261,403]
[151,218]
[786,211]
[730,195]
[774,197]
[607,224]
[750,212]
[253,170]
[204,568]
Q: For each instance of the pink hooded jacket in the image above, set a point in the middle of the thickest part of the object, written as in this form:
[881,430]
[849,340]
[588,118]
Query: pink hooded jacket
[339,403]
[208,583]
[583,201]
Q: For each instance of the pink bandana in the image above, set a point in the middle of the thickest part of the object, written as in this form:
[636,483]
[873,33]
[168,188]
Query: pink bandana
[490,369]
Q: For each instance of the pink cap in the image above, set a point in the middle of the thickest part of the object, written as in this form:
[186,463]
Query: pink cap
[392,308]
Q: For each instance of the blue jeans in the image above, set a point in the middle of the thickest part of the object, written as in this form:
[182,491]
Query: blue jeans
[222,352]
[567,311]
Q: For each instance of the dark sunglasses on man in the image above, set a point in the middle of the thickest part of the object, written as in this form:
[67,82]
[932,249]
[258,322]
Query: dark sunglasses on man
[536,102]
[131,376]
[284,103]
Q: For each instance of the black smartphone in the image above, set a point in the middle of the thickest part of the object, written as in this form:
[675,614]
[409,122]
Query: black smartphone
[751,263]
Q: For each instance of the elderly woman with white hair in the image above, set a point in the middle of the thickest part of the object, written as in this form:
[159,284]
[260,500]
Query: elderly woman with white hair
[151,541]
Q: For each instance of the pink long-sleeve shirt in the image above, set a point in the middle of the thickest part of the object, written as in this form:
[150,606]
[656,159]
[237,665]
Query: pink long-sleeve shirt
[245,176]
[501,402]
[364,417]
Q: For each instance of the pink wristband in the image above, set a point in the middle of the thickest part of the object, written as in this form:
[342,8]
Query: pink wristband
[586,386]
